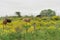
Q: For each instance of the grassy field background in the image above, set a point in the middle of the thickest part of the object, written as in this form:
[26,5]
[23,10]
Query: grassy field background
[44,29]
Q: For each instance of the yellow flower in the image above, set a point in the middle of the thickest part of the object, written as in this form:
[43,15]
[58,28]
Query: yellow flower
[28,24]
[1,26]
[52,27]
[12,30]
[6,31]
[31,29]
[38,27]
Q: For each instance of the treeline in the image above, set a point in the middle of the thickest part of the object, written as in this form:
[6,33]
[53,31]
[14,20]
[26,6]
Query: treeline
[43,13]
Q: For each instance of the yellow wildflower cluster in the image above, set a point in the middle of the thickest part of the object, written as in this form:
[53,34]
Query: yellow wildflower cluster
[20,25]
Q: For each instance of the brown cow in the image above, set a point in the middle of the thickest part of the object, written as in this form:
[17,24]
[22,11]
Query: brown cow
[5,21]
[27,19]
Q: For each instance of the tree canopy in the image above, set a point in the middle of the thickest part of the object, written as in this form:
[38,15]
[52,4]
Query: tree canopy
[18,13]
[48,13]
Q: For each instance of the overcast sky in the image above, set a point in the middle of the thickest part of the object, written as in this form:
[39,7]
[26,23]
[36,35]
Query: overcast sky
[28,7]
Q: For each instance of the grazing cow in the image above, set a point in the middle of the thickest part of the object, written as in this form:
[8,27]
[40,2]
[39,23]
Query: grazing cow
[6,21]
[27,19]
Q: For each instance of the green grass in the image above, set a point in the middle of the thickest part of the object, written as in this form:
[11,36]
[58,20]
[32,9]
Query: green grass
[39,34]
[45,34]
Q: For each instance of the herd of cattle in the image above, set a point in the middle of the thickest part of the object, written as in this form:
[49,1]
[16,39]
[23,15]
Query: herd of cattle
[6,20]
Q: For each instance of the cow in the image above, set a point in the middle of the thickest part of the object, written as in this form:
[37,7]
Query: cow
[5,21]
[27,19]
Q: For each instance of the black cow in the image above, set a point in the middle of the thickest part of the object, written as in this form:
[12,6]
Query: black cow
[5,21]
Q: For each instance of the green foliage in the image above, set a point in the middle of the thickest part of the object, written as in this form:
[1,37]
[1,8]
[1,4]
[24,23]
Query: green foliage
[55,18]
[18,13]
[48,13]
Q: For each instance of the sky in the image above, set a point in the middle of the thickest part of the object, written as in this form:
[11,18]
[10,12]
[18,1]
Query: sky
[28,7]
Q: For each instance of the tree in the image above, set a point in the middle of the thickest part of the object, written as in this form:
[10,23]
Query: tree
[18,13]
[48,13]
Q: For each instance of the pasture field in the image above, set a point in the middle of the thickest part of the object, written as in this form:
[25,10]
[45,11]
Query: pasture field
[37,29]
